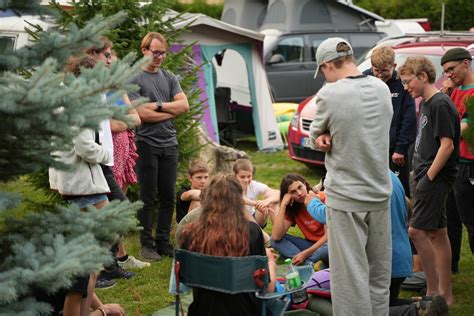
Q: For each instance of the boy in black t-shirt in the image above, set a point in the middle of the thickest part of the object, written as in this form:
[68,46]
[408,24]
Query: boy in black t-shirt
[435,167]
[189,197]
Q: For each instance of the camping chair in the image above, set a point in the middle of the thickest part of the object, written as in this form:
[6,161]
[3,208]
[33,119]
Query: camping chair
[231,275]
[226,121]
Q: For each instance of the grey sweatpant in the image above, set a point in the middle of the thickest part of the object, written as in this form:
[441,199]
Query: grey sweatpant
[361,260]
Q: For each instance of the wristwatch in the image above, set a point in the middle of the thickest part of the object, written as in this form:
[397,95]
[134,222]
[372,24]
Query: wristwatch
[159,106]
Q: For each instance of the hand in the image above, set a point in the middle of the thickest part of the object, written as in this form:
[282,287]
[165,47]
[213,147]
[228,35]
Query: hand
[113,309]
[311,195]
[287,200]
[264,210]
[323,142]
[299,258]
[398,159]
[261,204]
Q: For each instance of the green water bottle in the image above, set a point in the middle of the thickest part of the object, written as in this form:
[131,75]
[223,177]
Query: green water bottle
[299,298]
[293,278]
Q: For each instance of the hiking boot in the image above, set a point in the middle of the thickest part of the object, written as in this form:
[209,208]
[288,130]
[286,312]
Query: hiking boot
[166,250]
[117,273]
[150,254]
[102,283]
[132,263]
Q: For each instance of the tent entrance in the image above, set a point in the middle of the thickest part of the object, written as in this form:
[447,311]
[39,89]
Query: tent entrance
[232,93]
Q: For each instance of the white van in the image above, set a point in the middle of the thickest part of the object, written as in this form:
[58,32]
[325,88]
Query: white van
[12,30]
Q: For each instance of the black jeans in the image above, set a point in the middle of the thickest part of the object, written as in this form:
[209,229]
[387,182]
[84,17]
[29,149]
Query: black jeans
[157,168]
[464,193]
[403,173]
[454,230]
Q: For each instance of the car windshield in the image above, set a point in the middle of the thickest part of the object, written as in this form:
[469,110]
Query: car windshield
[400,59]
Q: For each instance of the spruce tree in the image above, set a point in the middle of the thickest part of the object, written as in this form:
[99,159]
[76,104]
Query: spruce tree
[42,113]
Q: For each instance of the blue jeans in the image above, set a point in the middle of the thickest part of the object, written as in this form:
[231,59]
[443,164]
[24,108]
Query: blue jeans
[289,246]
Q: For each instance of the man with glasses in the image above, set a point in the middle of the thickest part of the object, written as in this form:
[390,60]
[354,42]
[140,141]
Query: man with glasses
[403,125]
[157,145]
[435,168]
[456,64]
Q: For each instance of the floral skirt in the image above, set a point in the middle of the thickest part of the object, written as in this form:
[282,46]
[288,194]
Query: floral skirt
[125,157]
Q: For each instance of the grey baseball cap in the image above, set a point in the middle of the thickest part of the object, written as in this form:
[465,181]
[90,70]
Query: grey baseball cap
[327,51]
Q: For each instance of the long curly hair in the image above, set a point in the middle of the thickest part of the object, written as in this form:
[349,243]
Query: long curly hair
[222,229]
[284,186]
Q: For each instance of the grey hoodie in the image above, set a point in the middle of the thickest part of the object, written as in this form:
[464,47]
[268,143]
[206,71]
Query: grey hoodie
[357,113]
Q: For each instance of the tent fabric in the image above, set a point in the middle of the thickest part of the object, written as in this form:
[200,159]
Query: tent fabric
[210,36]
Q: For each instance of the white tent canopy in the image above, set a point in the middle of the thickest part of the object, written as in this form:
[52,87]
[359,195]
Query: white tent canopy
[241,70]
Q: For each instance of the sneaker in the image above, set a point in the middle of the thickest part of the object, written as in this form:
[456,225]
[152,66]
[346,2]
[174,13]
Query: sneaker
[133,263]
[436,306]
[150,254]
[102,283]
[166,250]
[117,273]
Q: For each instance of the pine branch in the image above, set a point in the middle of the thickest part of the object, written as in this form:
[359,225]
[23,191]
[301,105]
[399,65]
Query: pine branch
[75,243]
[57,108]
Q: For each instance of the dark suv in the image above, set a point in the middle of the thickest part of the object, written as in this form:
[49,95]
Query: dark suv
[290,60]
[433,46]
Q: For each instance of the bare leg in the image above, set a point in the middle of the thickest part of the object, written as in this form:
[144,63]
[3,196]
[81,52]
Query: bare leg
[442,251]
[72,304]
[274,208]
[121,248]
[101,204]
[86,302]
[417,267]
[124,188]
[423,245]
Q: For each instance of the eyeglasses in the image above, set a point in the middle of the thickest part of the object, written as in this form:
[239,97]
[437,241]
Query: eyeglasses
[158,53]
[381,71]
[407,82]
[450,70]
[107,55]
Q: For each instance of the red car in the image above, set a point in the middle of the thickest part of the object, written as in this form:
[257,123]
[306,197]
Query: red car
[428,44]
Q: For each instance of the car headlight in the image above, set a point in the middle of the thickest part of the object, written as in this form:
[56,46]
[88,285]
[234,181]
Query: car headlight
[294,120]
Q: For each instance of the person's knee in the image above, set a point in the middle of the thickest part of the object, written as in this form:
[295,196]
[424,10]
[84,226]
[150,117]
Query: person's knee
[274,243]
[416,234]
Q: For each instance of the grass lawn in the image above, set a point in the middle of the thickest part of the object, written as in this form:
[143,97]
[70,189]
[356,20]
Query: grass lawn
[147,292]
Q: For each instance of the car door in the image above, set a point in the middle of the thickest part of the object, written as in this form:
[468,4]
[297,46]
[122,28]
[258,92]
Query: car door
[283,67]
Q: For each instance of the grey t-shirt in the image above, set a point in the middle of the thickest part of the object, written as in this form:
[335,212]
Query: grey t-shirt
[160,86]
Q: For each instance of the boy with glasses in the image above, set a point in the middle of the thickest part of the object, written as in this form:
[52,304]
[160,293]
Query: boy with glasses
[403,125]
[456,64]
[157,145]
[435,168]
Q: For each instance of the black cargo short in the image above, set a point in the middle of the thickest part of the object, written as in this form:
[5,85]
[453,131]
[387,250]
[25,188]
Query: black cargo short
[429,211]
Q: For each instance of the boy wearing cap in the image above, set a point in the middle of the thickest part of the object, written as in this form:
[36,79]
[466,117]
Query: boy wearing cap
[435,168]
[456,64]
[403,125]
[354,112]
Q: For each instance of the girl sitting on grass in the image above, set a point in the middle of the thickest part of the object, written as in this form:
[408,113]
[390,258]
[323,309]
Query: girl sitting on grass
[313,247]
